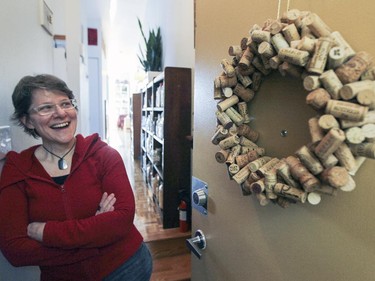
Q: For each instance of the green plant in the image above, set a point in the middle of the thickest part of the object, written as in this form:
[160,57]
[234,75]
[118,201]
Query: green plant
[151,59]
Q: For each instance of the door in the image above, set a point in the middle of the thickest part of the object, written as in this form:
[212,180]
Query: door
[330,241]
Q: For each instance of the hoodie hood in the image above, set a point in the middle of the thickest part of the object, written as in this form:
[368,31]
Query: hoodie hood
[21,166]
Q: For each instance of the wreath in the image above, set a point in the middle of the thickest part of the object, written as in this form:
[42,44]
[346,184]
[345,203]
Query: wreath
[341,89]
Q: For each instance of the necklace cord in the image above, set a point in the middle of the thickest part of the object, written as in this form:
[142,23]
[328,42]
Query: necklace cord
[62,157]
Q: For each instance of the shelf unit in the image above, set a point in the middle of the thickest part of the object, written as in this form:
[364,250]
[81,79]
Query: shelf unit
[166,146]
[135,124]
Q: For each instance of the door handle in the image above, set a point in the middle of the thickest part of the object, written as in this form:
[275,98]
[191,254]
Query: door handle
[197,243]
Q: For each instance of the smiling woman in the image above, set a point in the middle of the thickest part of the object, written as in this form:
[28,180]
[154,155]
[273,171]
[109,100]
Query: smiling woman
[74,203]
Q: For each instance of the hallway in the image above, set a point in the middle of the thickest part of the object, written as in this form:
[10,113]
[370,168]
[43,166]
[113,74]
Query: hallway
[172,264]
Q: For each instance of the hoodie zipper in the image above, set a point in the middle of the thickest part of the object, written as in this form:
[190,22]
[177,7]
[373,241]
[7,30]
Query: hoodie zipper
[65,202]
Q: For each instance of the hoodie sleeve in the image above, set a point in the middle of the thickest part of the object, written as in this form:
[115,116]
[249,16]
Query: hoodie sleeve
[16,246]
[104,229]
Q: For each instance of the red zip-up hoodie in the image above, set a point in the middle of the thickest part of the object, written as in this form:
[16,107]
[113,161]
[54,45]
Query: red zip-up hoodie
[77,244]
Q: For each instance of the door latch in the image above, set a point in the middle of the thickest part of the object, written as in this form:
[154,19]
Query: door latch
[197,243]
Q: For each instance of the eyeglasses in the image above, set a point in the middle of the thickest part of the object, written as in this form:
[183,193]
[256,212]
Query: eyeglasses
[50,108]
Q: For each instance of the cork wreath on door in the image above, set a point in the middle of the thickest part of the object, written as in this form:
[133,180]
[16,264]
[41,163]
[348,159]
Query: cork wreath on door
[340,87]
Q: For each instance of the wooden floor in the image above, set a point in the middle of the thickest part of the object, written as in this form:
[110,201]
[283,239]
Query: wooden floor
[171,259]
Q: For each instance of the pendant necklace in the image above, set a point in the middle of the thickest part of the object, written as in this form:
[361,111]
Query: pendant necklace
[61,163]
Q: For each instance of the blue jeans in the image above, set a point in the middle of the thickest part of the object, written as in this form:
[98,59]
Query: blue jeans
[137,268]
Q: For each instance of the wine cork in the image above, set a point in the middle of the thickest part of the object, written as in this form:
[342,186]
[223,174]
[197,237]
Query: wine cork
[279,42]
[346,110]
[327,190]
[290,33]
[259,36]
[218,93]
[292,15]
[246,59]
[354,135]
[350,186]
[311,82]
[245,187]
[241,175]
[345,157]
[242,109]
[330,161]
[235,116]
[236,150]
[245,80]
[246,131]
[283,170]
[227,92]
[306,32]
[294,56]
[331,83]
[316,25]
[308,181]
[262,198]
[309,160]
[338,40]
[368,131]
[351,90]
[336,57]
[275,27]
[318,98]
[246,94]
[230,159]
[267,167]
[319,59]
[364,149]
[369,74]
[229,102]
[227,67]
[352,70]
[235,50]
[307,44]
[259,65]
[244,141]
[243,159]
[367,98]
[336,176]
[368,119]
[229,142]
[274,62]
[330,142]
[257,163]
[257,80]
[284,202]
[327,122]
[223,81]
[290,192]
[220,134]
[314,198]
[258,186]
[221,156]
[266,50]
[224,119]
[270,179]
[316,132]
[233,169]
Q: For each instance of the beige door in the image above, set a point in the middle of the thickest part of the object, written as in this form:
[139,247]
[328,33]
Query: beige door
[330,241]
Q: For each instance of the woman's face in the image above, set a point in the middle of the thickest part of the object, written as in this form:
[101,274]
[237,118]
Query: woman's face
[60,126]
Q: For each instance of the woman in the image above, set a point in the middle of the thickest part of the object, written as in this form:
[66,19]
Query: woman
[67,205]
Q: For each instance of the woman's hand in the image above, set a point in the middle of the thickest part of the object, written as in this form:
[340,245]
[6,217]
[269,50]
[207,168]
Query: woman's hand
[106,203]
[35,230]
